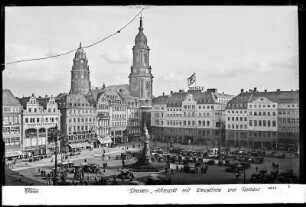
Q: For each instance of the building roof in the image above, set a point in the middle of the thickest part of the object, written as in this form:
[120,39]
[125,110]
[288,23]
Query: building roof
[124,88]
[74,98]
[240,101]
[278,96]
[8,98]
[282,97]
[160,100]
[24,101]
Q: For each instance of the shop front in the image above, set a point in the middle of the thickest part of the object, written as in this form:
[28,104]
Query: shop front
[105,141]
[15,154]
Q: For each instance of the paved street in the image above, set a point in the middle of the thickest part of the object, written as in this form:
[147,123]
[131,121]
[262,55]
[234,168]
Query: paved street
[215,174]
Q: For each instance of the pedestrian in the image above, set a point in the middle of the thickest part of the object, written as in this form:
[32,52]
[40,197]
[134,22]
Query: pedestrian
[256,168]
[176,167]
[204,170]
[38,170]
[109,157]
[237,175]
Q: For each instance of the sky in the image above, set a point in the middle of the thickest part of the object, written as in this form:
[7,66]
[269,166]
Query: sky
[228,47]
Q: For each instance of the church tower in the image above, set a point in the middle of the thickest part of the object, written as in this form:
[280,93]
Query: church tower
[80,82]
[141,77]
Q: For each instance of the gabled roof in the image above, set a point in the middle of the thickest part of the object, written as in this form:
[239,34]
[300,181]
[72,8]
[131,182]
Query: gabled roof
[24,101]
[8,98]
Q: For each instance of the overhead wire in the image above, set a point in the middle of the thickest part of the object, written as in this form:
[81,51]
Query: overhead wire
[88,46]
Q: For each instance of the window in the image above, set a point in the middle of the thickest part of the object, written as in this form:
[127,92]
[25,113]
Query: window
[269,123]
[241,119]
[264,123]
[26,120]
[229,118]
[35,110]
[229,126]
[207,123]
[255,123]
[259,123]
[199,123]
[250,122]
[274,123]
[37,120]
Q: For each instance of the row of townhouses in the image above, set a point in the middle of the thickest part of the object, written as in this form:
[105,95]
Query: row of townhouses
[263,120]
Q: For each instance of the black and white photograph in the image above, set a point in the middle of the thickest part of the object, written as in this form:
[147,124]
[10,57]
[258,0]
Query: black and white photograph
[144,95]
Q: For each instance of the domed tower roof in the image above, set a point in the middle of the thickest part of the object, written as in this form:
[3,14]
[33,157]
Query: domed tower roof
[140,38]
[80,53]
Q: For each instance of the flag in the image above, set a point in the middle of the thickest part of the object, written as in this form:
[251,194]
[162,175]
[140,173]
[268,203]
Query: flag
[191,79]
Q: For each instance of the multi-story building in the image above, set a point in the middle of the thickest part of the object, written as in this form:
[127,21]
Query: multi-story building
[40,117]
[118,116]
[11,124]
[259,120]
[78,121]
[189,117]
[133,115]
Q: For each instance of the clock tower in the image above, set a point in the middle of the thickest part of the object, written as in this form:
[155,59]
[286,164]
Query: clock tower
[141,77]
[80,82]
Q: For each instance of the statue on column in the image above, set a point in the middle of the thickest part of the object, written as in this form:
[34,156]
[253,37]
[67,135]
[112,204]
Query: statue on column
[146,155]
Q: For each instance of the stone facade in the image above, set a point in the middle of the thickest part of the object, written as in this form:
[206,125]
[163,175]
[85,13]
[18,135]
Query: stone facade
[11,124]
[78,121]
[39,117]
[189,117]
[259,120]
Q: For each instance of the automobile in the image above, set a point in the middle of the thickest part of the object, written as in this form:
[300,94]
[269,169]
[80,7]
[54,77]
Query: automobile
[75,153]
[158,179]
[258,160]
[263,170]
[136,182]
[211,156]
[125,173]
[280,156]
[211,162]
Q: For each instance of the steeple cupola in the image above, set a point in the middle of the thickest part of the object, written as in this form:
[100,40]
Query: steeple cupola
[141,76]
[141,39]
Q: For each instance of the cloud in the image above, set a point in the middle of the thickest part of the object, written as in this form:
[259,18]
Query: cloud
[116,56]
[173,77]
[48,74]
[259,67]
[291,64]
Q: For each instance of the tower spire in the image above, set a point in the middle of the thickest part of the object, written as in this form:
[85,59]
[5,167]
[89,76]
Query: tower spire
[140,27]
[80,45]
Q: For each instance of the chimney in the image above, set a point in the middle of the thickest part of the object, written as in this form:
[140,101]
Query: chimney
[171,93]
[181,90]
[255,89]
[265,90]
[277,90]
[163,93]
[213,90]
[242,91]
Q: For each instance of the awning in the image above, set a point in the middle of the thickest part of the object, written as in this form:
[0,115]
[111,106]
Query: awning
[76,145]
[105,140]
[13,154]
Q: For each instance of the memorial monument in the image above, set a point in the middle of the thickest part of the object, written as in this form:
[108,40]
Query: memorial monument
[144,163]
